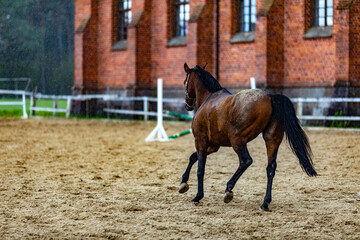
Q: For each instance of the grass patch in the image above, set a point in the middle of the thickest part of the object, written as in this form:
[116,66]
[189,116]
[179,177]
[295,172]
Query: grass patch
[339,123]
[16,110]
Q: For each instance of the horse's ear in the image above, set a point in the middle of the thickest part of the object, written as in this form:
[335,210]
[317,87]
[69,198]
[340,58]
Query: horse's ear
[205,66]
[186,68]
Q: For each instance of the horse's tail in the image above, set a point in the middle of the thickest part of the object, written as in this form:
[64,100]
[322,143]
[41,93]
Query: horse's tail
[284,111]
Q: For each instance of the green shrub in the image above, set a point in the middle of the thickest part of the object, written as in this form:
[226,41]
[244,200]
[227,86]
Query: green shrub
[339,123]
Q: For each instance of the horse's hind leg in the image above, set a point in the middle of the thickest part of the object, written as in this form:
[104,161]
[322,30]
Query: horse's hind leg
[273,136]
[245,161]
[270,171]
[192,160]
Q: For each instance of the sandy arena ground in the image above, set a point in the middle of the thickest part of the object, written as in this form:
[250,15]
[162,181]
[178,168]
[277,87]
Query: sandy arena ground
[93,179]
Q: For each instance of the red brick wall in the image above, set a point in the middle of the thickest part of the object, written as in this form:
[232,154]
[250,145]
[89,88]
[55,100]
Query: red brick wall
[143,46]
[275,44]
[167,62]
[279,56]
[82,15]
[261,44]
[355,44]
[237,61]
[95,63]
[341,30]
[115,68]
[308,62]
[90,49]
[82,10]
[206,37]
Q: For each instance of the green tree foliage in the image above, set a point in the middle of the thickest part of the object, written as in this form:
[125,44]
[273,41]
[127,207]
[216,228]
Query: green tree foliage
[36,41]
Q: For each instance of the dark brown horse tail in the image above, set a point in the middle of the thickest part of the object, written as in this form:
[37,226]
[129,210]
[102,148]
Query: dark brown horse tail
[284,111]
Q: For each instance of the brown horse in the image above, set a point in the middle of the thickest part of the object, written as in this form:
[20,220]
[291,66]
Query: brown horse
[223,119]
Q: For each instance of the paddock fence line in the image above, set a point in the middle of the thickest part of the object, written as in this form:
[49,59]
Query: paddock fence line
[300,108]
[299,102]
[16,103]
[145,112]
[69,98]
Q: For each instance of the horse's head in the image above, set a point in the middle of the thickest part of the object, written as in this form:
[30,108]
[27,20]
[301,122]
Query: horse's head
[190,96]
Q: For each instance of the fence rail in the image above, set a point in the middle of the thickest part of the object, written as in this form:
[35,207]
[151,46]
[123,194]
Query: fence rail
[300,108]
[308,100]
[145,111]
[16,103]
[16,81]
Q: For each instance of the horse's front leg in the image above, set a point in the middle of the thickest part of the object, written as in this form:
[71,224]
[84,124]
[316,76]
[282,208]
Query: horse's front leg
[185,177]
[200,176]
[184,187]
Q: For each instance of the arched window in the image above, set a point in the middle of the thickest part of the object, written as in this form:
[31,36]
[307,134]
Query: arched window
[323,13]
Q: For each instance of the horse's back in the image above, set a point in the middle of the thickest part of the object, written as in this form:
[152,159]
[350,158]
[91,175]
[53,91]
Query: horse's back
[251,112]
[251,96]
[242,115]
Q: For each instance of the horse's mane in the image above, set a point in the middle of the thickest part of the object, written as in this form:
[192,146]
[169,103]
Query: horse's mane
[208,80]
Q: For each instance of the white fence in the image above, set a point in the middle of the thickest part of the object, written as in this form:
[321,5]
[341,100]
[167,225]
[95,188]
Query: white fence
[146,100]
[145,112]
[69,98]
[16,103]
[300,108]
[55,108]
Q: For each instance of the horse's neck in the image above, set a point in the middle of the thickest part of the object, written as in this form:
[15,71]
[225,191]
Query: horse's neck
[201,96]
[209,95]
[222,92]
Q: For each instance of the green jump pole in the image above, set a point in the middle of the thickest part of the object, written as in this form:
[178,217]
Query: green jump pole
[179,115]
[176,135]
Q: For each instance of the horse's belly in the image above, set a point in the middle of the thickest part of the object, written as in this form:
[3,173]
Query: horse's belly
[218,133]
[219,139]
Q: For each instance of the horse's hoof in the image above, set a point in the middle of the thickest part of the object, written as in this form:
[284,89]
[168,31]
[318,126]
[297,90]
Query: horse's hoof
[196,203]
[183,187]
[265,208]
[197,199]
[228,196]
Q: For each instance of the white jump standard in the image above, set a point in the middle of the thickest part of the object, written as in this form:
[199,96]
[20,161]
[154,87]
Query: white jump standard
[158,134]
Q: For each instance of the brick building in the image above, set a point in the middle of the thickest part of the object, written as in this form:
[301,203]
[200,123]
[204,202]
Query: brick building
[297,47]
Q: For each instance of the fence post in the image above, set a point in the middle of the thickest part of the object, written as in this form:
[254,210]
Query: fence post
[31,104]
[55,104]
[33,101]
[87,107]
[68,107]
[146,108]
[299,110]
[252,83]
[24,106]
[107,101]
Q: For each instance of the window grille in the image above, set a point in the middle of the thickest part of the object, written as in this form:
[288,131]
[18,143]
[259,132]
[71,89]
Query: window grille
[124,18]
[323,13]
[182,15]
[247,15]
